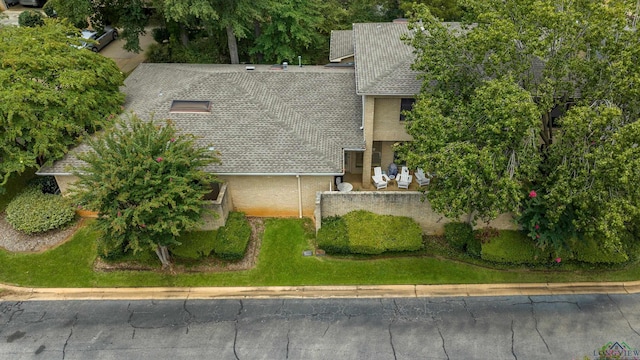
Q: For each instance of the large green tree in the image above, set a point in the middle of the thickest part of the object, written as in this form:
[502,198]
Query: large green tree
[481,150]
[563,54]
[147,184]
[593,181]
[50,94]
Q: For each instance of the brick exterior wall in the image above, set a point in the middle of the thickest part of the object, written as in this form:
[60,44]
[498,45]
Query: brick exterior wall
[386,122]
[399,203]
[381,123]
[64,183]
[275,196]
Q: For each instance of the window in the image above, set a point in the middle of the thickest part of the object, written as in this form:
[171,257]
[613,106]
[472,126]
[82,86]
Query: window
[405,105]
[190,106]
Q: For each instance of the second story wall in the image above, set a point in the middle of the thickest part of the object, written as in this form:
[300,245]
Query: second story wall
[387,125]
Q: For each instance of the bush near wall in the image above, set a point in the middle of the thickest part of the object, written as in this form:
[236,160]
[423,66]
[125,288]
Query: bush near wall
[332,236]
[458,235]
[591,251]
[369,233]
[30,18]
[195,245]
[513,247]
[233,238]
[32,212]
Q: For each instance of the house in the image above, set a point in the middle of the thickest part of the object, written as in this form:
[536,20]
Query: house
[281,132]
[285,132]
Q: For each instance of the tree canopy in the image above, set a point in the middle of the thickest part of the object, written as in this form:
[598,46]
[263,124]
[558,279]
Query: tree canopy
[577,64]
[255,31]
[147,184]
[51,93]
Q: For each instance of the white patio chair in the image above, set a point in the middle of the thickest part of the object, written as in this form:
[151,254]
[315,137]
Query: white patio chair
[421,178]
[404,179]
[379,179]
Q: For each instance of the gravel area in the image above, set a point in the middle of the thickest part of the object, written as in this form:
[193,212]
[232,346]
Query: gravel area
[16,241]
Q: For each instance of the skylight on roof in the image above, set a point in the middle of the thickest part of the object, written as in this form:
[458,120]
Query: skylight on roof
[190,106]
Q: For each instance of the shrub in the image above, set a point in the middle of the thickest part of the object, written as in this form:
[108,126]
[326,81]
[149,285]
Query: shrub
[232,240]
[199,51]
[591,251]
[30,18]
[480,236]
[49,10]
[513,247]
[458,235]
[158,53]
[109,250]
[195,245]
[32,211]
[370,233]
[160,34]
[332,236]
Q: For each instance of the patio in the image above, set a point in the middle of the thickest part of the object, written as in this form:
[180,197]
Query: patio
[356,181]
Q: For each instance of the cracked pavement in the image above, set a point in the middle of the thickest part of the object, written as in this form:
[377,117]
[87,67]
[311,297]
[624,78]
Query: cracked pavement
[515,327]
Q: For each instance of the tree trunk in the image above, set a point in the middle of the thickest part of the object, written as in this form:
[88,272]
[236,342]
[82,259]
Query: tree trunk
[257,30]
[163,254]
[233,45]
[547,134]
[184,36]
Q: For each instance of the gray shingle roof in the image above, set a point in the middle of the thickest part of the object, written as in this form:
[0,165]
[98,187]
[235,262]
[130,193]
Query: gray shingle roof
[383,61]
[341,45]
[262,121]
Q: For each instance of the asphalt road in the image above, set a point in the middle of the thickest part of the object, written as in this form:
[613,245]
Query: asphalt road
[535,327]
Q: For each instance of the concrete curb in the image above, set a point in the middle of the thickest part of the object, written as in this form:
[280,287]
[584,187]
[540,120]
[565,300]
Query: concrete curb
[15,293]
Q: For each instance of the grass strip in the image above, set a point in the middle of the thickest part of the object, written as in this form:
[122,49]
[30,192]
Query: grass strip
[280,262]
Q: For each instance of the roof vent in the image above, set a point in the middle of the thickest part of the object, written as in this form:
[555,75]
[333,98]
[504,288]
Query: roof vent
[190,106]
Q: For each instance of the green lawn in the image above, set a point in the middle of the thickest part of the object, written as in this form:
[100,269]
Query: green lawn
[280,263]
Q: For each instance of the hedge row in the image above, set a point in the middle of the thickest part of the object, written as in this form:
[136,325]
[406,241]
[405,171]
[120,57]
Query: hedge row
[32,211]
[461,237]
[514,247]
[233,239]
[369,233]
[195,245]
[332,236]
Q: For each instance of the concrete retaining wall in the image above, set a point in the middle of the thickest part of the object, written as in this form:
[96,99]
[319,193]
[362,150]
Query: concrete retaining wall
[398,203]
[217,210]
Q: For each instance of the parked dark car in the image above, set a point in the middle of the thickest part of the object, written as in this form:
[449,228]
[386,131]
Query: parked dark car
[102,38]
[36,3]
[11,2]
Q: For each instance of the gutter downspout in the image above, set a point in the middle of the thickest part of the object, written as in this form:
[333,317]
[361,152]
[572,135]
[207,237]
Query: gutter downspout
[299,197]
[363,112]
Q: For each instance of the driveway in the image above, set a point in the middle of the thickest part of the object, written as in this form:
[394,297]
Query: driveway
[128,61]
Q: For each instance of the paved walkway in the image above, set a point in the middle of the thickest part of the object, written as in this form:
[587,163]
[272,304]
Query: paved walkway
[14,293]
